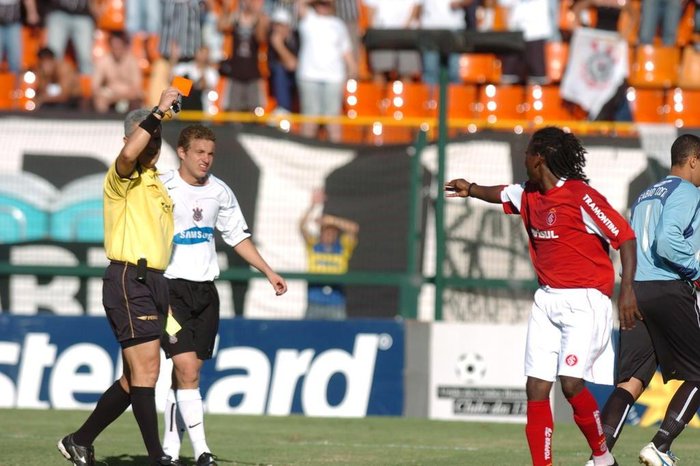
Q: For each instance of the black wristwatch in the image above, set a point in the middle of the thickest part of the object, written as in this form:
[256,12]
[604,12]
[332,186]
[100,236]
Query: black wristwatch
[158,112]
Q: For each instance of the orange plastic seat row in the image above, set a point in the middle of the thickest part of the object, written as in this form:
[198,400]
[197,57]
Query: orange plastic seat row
[680,107]
[655,66]
[683,107]
[689,74]
[490,102]
[479,68]
[646,105]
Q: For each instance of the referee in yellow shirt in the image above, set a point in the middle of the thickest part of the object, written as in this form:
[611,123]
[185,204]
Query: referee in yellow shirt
[138,239]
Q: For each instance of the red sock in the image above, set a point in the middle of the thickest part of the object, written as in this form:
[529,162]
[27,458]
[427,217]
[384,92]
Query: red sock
[538,431]
[587,418]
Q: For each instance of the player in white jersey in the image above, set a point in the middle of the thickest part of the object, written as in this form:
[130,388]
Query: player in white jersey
[203,203]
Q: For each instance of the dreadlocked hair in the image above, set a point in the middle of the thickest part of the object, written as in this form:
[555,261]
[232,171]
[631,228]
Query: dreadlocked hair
[563,153]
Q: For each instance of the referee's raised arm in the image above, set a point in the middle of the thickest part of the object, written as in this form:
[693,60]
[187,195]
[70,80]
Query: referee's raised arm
[138,139]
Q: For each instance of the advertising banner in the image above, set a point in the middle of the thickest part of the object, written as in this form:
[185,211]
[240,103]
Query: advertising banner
[315,368]
[476,372]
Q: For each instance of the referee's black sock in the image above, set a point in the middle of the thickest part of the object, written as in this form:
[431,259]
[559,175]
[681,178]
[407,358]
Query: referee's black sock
[143,401]
[614,414]
[111,405]
[680,411]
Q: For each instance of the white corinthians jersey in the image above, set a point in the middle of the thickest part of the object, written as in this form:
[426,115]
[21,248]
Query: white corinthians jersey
[198,210]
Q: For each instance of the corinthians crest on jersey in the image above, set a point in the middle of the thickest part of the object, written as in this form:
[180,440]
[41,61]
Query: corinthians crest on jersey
[197,214]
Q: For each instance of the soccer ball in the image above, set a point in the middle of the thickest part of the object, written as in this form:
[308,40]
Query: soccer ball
[470,367]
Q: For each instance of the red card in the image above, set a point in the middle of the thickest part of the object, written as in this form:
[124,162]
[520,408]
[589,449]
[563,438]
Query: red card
[183,85]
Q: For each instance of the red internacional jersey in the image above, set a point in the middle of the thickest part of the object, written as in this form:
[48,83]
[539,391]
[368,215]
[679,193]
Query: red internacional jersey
[570,229]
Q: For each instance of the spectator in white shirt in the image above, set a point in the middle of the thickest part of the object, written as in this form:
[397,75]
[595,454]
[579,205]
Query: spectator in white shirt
[325,63]
[394,64]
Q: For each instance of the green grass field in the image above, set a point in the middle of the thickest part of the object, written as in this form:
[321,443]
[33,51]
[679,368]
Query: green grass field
[28,438]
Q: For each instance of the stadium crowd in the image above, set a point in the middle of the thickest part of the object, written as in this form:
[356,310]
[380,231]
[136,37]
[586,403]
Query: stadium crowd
[306,56]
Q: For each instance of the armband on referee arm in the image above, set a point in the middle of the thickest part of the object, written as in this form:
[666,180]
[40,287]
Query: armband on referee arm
[150,124]
[469,189]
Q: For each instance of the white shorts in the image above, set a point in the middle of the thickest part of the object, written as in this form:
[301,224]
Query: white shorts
[569,333]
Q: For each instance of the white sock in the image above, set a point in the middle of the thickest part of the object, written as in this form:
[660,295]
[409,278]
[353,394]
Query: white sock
[606,459]
[189,404]
[173,427]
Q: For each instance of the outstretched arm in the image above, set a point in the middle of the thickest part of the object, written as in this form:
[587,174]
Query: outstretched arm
[247,250]
[463,188]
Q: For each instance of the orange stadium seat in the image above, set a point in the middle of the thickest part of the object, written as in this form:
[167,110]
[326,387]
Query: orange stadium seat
[461,100]
[492,18]
[556,56]
[112,17]
[689,74]
[647,105]
[655,66]
[544,105]
[683,107]
[502,102]
[362,99]
[500,18]
[406,100]
[479,68]
[32,41]
[7,86]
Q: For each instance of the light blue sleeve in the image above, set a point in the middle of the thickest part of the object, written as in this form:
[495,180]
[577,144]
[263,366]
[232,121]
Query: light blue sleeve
[678,230]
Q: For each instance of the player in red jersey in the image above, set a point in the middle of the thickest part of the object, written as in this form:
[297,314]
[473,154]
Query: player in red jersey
[570,227]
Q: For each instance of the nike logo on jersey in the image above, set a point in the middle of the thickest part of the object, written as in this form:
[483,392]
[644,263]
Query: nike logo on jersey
[194,425]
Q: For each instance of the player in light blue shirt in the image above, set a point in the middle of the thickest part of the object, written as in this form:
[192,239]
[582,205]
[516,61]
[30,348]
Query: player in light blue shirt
[666,221]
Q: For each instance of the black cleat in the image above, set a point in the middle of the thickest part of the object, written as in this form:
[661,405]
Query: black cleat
[206,459]
[76,454]
[166,460]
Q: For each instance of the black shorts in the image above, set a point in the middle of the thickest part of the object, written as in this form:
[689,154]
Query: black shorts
[195,306]
[670,312]
[136,311]
[636,357]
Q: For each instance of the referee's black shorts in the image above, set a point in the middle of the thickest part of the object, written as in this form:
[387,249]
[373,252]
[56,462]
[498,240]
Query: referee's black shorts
[195,306]
[136,310]
[671,333]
